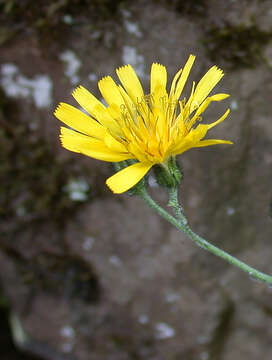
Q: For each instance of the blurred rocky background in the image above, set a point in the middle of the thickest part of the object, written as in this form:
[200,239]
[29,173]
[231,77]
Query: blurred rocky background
[88,275]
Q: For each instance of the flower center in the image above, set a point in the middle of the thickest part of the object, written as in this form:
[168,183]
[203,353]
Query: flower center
[149,127]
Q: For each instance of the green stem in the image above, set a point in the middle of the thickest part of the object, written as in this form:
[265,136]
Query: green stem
[182,225]
[174,203]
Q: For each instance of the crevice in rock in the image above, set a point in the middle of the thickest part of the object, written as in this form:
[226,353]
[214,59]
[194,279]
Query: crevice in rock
[222,331]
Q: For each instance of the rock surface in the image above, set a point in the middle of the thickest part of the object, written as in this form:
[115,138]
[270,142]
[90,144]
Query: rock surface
[91,275]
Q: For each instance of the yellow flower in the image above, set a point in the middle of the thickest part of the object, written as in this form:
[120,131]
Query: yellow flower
[149,128]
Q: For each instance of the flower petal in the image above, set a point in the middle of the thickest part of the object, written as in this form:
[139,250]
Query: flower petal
[158,94]
[181,80]
[129,103]
[86,99]
[128,177]
[204,105]
[193,137]
[209,142]
[128,112]
[79,121]
[206,84]
[134,126]
[94,107]
[86,145]
[222,118]
[158,77]
[131,83]
[113,144]
[110,91]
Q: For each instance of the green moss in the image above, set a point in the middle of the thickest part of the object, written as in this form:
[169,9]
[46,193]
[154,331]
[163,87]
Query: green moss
[48,19]
[186,7]
[50,13]
[32,178]
[33,200]
[4,303]
[29,11]
[236,46]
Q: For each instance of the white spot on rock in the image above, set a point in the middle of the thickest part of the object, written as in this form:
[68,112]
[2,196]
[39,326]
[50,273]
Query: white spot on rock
[68,19]
[230,211]
[202,339]
[21,211]
[96,35]
[77,189]
[204,355]
[126,13]
[164,331]
[172,297]
[131,57]
[115,260]
[92,77]
[67,331]
[42,88]
[67,347]
[132,28]
[17,85]
[234,105]
[9,69]
[72,65]
[143,319]
[88,243]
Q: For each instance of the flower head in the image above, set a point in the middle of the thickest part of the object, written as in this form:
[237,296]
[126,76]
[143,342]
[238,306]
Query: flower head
[148,128]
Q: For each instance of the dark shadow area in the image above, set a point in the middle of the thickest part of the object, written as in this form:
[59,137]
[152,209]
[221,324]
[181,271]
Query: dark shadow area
[8,349]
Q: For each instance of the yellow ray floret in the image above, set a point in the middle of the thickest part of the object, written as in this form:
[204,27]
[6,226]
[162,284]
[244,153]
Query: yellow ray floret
[149,128]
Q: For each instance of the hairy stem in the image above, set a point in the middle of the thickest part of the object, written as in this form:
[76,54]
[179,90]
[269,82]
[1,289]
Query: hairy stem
[181,223]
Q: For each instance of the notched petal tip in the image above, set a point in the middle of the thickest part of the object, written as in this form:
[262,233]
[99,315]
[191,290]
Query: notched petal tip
[158,69]
[61,139]
[65,133]
[104,79]
[112,188]
[216,68]
[157,64]
[78,88]
[58,108]
[58,112]
[78,91]
[124,67]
